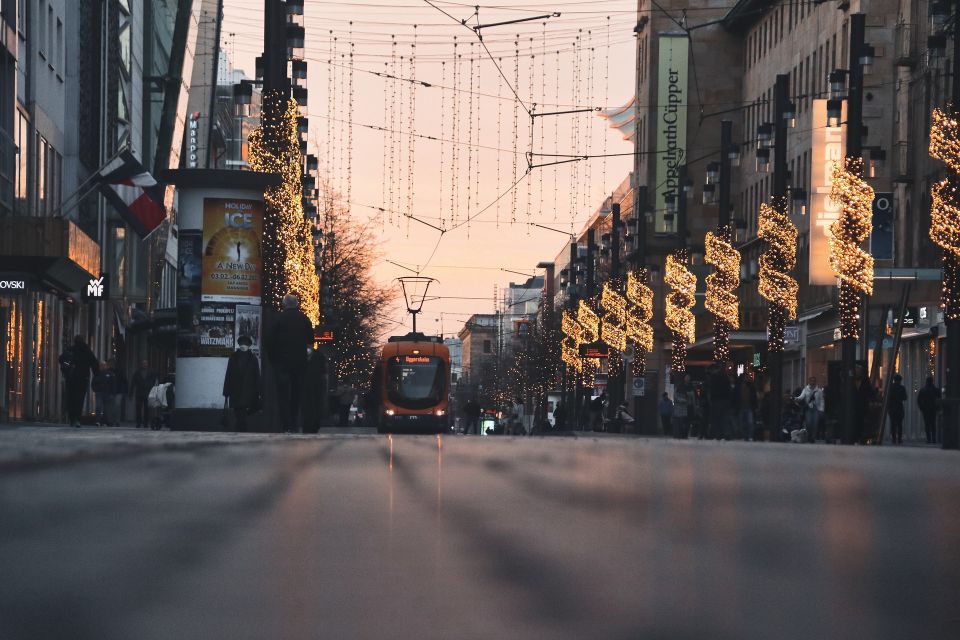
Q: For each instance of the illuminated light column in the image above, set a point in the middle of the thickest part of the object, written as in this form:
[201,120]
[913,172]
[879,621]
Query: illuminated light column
[678,317]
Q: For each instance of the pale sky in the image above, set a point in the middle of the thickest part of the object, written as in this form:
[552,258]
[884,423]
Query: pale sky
[468,260]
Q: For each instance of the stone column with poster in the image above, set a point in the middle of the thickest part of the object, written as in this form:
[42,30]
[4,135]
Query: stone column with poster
[220,216]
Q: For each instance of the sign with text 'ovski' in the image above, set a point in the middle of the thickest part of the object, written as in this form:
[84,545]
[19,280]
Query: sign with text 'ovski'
[671,123]
[232,262]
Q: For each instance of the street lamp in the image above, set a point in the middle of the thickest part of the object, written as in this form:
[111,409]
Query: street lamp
[733,154]
[764,136]
[763,160]
[834,112]
[242,96]
[790,115]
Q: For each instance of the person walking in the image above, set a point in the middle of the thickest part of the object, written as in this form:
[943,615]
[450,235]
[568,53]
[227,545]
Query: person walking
[140,384]
[241,384]
[863,395]
[811,401]
[746,399]
[77,362]
[559,417]
[597,406]
[928,400]
[106,386]
[471,413]
[291,340]
[683,407]
[898,397]
[720,399]
[665,410]
[344,402]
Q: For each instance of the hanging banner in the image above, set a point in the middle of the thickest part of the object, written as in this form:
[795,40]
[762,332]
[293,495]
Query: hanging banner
[828,145]
[672,99]
[232,262]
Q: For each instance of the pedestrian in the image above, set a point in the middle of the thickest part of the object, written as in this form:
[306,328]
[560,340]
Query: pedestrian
[77,362]
[241,384]
[106,386]
[665,409]
[597,406]
[520,413]
[863,395]
[720,397]
[471,414]
[559,417]
[928,400]
[683,407]
[746,398]
[291,341]
[143,380]
[344,402]
[623,417]
[898,397]
[811,403]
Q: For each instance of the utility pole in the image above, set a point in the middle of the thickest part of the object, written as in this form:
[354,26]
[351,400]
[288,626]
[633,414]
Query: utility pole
[777,314]
[951,275]
[572,417]
[616,382]
[848,343]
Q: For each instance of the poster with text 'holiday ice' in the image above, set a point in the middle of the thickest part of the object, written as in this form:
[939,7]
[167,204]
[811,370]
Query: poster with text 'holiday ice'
[232,257]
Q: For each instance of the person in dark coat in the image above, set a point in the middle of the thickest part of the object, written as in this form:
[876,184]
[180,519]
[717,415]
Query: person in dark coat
[721,403]
[291,341]
[241,385]
[898,396]
[143,380]
[928,401]
[863,395]
[745,396]
[77,362]
[107,386]
[471,411]
[559,417]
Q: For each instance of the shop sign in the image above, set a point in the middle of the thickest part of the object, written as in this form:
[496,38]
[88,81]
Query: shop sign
[672,99]
[97,289]
[193,127]
[12,285]
[791,334]
[827,148]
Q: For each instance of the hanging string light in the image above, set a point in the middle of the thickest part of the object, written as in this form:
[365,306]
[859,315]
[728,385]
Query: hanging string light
[412,141]
[331,113]
[516,130]
[386,145]
[588,165]
[476,173]
[341,141]
[530,98]
[543,99]
[606,99]
[443,135]
[944,211]
[289,260]
[590,322]
[574,131]
[722,284]
[556,140]
[470,139]
[350,131]
[853,265]
[678,317]
[572,339]
[499,140]
[393,127]
[776,284]
[455,146]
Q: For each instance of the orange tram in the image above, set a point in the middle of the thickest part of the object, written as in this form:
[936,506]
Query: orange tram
[411,386]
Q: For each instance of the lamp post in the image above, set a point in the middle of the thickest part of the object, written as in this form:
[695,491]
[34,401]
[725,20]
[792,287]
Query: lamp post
[776,319]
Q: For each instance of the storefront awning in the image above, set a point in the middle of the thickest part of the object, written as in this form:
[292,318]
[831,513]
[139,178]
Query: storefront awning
[53,250]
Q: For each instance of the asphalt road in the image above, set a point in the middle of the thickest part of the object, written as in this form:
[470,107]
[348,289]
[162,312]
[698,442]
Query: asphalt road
[117,534]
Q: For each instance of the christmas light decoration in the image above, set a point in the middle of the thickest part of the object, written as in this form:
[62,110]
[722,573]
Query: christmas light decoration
[613,331]
[721,299]
[590,321]
[777,261]
[944,210]
[640,298]
[572,337]
[853,265]
[678,317]
[288,255]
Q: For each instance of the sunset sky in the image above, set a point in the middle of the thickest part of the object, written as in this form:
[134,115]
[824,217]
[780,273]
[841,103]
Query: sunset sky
[584,58]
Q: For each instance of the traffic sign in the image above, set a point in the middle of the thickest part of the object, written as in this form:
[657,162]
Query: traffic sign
[639,387]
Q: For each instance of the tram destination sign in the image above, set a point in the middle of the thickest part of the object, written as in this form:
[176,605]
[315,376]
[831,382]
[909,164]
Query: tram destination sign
[594,350]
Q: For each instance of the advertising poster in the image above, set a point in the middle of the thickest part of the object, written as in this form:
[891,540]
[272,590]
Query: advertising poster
[189,258]
[216,329]
[827,147]
[672,99]
[881,238]
[248,324]
[232,261]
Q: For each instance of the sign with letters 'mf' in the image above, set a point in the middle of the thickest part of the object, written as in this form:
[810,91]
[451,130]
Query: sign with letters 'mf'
[97,289]
[827,148]
[232,262]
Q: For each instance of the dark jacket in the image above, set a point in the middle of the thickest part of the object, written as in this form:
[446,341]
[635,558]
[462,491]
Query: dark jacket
[745,394]
[290,337]
[77,362]
[242,381]
[928,398]
[141,383]
[720,392]
[106,381]
[898,396]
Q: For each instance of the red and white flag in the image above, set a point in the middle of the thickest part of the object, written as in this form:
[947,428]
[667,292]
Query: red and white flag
[133,192]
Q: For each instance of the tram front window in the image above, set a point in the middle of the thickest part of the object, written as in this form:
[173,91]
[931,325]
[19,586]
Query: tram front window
[415,382]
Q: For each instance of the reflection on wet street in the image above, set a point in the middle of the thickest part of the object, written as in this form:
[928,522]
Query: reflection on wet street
[453,537]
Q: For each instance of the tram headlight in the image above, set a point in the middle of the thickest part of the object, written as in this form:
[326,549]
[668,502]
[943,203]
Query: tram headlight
[440,412]
[389,412]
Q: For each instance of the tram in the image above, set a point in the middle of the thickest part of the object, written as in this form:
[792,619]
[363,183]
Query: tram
[411,386]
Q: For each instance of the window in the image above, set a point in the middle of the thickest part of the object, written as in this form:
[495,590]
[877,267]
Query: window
[61,61]
[23,154]
[50,34]
[41,166]
[41,28]
[487,347]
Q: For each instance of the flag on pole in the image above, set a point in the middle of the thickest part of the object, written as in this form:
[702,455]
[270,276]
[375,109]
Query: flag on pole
[133,192]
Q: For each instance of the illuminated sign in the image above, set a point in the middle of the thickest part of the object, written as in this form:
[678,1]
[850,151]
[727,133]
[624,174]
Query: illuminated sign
[326,336]
[97,289]
[193,127]
[416,359]
[594,350]
[15,285]
[827,147]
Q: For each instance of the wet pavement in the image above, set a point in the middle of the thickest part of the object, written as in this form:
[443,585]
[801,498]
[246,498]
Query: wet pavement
[122,534]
